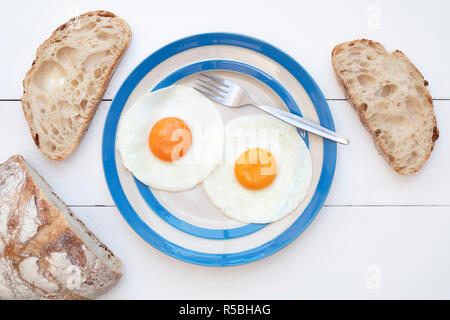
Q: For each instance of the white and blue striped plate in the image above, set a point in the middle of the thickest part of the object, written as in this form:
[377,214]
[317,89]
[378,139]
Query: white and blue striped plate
[186,225]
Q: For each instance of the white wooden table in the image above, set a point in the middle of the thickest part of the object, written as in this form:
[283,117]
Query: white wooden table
[379,235]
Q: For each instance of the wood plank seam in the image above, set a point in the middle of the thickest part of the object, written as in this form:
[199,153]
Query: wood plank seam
[328,99]
[325,205]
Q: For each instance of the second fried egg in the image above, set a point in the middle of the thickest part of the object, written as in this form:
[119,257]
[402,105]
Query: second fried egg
[265,173]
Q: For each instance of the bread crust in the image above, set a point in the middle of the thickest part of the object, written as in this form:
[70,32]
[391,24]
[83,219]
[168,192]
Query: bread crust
[41,256]
[352,99]
[92,107]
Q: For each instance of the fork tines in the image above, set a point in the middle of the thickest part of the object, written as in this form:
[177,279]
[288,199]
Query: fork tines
[211,86]
[219,81]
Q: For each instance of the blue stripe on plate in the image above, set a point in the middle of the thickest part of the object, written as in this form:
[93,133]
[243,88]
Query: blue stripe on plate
[152,237]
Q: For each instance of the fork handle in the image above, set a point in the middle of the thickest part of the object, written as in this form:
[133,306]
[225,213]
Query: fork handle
[302,123]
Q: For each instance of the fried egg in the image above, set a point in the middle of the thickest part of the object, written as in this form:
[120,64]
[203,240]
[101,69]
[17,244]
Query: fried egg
[171,139]
[265,173]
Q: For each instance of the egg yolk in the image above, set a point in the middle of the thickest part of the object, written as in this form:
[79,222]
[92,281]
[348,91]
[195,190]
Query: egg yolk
[255,169]
[170,139]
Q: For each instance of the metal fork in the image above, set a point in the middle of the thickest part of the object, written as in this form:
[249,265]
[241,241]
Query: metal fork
[230,94]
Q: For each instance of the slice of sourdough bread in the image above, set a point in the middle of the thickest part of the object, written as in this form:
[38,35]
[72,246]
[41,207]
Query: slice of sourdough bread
[392,100]
[68,78]
[45,251]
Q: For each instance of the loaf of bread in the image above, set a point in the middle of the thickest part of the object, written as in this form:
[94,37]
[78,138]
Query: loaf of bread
[45,251]
[392,100]
[68,78]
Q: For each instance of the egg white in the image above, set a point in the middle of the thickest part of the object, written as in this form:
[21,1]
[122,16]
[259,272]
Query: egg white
[290,186]
[207,130]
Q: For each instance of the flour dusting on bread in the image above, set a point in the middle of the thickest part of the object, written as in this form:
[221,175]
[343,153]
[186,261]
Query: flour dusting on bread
[45,251]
